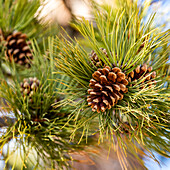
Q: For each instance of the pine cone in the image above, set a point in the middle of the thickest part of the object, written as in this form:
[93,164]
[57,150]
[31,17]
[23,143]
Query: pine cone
[107,88]
[29,86]
[140,71]
[18,49]
[95,60]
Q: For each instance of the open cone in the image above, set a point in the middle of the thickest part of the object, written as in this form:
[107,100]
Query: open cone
[107,87]
[18,49]
[95,59]
[140,71]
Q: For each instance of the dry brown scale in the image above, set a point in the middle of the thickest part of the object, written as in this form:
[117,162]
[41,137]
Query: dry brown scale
[29,86]
[107,87]
[18,49]
[141,47]
[140,71]
[95,59]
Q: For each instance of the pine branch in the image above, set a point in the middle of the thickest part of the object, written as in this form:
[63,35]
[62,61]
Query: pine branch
[120,41]
[39,124]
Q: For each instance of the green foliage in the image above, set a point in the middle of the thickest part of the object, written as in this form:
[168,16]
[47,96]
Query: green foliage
[18,15]
[144,109]
[39,125]
[58,112]
[21,16]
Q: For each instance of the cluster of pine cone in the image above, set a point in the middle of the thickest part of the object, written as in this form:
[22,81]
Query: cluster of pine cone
[28,88]
[108,85]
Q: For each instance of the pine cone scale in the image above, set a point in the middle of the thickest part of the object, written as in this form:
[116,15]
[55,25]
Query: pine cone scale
[116,87]
[16,51]
[103,79]
[9,37]
[20,41]
[98,86]
[22,55]
[12,42]
[109,88]
[23,36]
[26,48]
[137,69]
[105,93]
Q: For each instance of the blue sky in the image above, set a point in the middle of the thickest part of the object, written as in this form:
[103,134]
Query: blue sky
[162,9]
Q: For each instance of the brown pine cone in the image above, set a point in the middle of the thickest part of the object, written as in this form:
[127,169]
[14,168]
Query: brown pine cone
[18,49]
[95,60]
[107,87]
[140,71]
[29,86]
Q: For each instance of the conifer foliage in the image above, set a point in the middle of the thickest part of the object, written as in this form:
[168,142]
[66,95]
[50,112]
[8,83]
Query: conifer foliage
[38,124]
[127,93]
[110,86]
[18,26]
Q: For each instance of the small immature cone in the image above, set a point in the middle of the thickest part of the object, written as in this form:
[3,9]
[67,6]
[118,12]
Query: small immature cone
[18,49]
[95,59]
[140,71]
[106,88]
[29,86]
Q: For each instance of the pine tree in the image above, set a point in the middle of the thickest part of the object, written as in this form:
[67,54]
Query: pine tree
[68,101]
